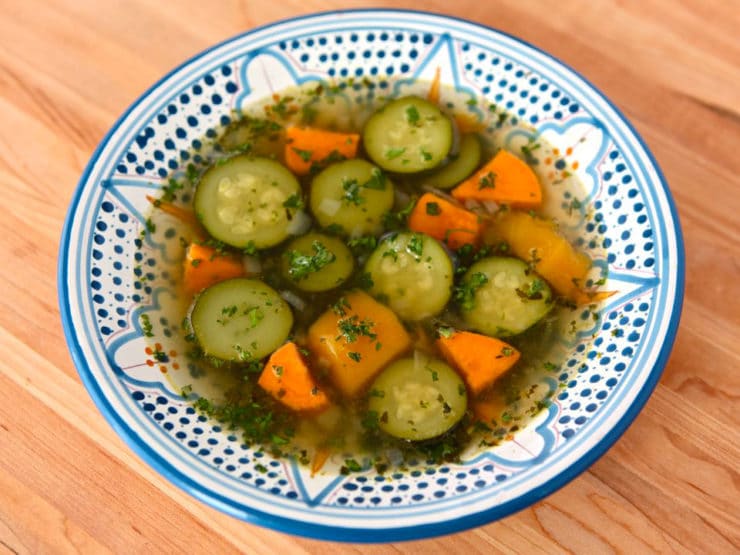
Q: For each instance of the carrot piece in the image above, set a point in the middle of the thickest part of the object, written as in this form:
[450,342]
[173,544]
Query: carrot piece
[479,359]
[553,257]
[319,460]
[489,409]
[288,379]
[433,94]
[185,215]
[204,267]
[355,340]
[468,124]
[443,220]
[504,179]
[305,146]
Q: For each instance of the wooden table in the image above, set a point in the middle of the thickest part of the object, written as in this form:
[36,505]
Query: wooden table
[68,483]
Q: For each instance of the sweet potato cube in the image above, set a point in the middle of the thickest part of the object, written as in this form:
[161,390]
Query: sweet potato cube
[355,340]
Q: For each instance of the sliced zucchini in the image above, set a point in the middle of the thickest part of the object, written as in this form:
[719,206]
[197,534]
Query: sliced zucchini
[502,296]
[418,398]
[240,319]
[317,262]
[460,167]
[247,201]
[352,196]
[408,135]
[412,273]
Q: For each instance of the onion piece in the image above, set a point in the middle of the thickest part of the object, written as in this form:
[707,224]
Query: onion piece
[251,264]
[490,206]
[300,223]
[329,206]
[293,300]
[440,193]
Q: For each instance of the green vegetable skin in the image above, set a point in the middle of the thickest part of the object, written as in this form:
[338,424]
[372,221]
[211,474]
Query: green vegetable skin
[418,398]
[412,273]
[501,296]
[459,169]
[353,195]
[241,201]
[240,319]
[317,262]
[408,135]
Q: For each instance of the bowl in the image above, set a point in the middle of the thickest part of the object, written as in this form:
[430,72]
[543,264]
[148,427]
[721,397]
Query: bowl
[611,363]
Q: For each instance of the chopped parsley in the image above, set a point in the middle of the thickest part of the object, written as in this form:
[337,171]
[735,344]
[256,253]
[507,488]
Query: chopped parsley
[464,294]
[355,356]
[363,245]
[393,221]
[487,181]
[376,181]
[416,244]
[294,201]
[445,332]
[353,328]
[433,209]
[393,153]
[412,115]
[146,325]
[533,290]
[527,150]
[304,155]
[301,265]
[352,192]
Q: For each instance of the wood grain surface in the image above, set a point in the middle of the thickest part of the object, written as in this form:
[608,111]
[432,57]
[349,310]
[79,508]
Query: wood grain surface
[68,484]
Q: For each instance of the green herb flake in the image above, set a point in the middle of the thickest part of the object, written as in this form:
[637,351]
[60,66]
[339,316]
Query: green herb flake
[445,332]
[487,181]
[355,356]
[301,265]
[412,115]
[393,153]
[363,245]
[351,465]
[352,328]
[394,221]
[464,294]
[432,208]
[377,180]
[294,201]
[416,245]
[352,192]
[304,155]
[255,316]
[146,325]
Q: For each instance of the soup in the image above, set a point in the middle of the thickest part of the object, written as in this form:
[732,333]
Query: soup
[385,279]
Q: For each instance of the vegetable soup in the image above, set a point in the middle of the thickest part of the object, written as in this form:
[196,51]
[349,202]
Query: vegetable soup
[373,279]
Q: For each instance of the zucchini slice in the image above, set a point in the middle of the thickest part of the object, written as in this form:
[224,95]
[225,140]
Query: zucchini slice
[317,262]
[408,135]
[240,319]
[244,201]
[418,398]
[352,196]
[502,296]
[460,168]
[412,273]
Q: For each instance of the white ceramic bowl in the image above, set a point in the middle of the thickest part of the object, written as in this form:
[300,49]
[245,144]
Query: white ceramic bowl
[611,367]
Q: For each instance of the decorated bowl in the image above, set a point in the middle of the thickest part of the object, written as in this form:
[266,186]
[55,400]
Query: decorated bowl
[114,287]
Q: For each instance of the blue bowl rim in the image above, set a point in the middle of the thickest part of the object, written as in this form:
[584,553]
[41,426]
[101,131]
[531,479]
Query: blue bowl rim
[366,535]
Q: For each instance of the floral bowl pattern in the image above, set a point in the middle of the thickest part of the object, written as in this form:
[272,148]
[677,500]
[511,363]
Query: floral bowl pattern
[612,363]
